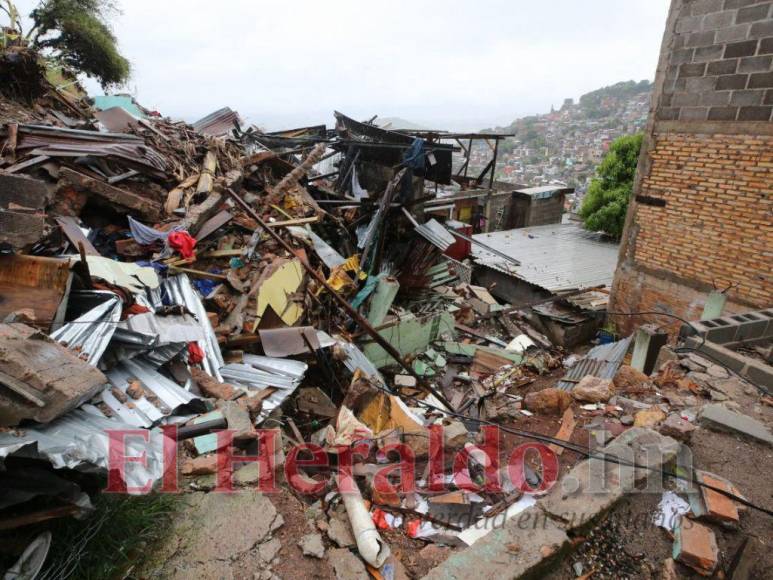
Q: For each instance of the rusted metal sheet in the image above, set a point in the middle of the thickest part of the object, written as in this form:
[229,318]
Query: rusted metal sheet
[602,361]
[218,124]
[36,284]
[40,379]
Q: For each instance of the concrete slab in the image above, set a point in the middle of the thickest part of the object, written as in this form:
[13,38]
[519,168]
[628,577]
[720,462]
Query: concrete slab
[593,486]
[527,544]
[721,418]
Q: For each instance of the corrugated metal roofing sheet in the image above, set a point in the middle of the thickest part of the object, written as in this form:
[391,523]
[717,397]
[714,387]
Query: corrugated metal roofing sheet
[217,124]
[556,257]
[602,361]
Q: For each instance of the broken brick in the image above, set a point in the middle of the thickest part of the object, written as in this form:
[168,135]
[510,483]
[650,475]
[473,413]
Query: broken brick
[696,547]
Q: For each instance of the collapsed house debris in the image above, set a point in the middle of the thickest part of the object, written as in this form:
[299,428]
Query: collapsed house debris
[215,276]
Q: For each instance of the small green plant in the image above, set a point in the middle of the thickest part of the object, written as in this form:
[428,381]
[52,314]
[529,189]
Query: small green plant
[606,202]
[116,537]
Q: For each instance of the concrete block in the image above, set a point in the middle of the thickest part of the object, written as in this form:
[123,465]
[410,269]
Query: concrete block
[746,98]
[762,80]
[762,113]
[752,13]
[593,486]
[715,98]
[731,82]
[733,33]
[723,113]
[719,417]
[754,64]
[722,67]
[527,544]
[705,6]
[718,20]
[759,373]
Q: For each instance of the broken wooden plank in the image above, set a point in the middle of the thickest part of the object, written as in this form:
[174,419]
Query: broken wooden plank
[214,223]
[73,232]
[568,423]
[143,207]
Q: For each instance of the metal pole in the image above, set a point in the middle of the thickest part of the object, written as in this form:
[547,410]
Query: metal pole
[350,310]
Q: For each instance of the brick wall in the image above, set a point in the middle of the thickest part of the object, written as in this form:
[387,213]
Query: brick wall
[702,216]
[720,64]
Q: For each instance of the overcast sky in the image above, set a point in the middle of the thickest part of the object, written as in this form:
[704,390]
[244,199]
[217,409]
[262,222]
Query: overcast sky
[447,63]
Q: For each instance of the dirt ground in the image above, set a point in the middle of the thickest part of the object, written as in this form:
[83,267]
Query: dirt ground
[626,544]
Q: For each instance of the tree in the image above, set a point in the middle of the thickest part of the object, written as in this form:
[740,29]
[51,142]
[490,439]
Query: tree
[77,33]
[605,204]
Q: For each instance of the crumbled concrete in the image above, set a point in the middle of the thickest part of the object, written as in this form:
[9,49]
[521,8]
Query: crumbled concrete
[340,532]
[676,427]
[212,531]
[594,485]
[247,474]
[719,417]
[347,566]
[527,544]
[311,545]
[267,551]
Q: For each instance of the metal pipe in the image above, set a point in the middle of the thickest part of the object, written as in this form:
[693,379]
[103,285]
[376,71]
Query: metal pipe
[350,310]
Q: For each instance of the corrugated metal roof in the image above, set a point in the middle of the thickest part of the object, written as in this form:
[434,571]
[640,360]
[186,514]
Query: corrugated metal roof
[543,191]
[556,257]
[602,361]
[217,124]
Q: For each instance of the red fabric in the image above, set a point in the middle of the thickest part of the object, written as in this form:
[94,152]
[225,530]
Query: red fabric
[132,310]
[195,354]
[379,518]
[183,243]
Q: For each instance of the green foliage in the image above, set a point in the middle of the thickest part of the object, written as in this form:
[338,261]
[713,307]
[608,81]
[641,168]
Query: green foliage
[592,103]
[82,38]
[606,202]
[117,536]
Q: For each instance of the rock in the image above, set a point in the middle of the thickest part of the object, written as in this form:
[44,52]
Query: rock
[203,465]
[649,417]
[248,474]
[312,545]
[238,419]
[630,380]
[719,417]
[135,390]
[405,381]
[549,401]
[696,547]
[211,387]
[267,551]
[717,371]
[593,390]
[716,395]
[347,566]
[668,572]
[676,427]
[626,420]
[340,532]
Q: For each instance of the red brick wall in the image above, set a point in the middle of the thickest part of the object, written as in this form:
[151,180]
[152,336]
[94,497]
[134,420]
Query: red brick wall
[718,215]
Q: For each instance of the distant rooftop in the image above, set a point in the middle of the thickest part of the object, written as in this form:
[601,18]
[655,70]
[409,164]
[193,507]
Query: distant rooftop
[544,190]
[556,257]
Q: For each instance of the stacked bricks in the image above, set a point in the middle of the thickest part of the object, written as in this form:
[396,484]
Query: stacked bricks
[720,66]
[716,226]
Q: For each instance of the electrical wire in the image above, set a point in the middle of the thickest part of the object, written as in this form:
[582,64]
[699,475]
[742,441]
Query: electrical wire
[585,452]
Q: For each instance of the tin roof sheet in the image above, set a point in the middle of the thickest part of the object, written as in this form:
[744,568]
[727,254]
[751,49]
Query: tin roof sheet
[556,257]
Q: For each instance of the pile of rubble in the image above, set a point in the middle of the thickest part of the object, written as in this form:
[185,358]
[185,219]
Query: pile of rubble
[286,287]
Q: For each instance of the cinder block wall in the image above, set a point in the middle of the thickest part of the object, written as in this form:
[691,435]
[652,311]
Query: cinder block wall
[702,216]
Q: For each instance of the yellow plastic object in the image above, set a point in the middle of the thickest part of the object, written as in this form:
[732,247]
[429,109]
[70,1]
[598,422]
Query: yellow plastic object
[276,291]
